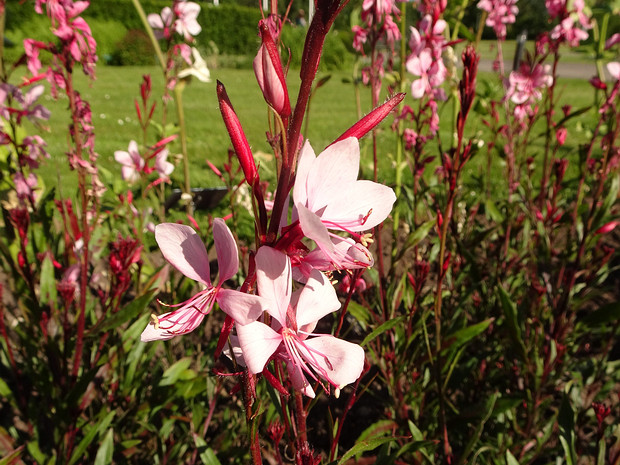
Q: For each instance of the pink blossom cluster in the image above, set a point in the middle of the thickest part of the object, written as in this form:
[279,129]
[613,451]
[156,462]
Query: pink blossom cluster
[499,14]
[526,86]
[573,21]
[425,61]
[181,18]
[328,201]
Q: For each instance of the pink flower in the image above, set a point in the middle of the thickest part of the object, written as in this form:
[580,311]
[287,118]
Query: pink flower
[290,337]
[500,13]
[327,186]
[24,187]
[432,74]
[613,40]
[428,35]
[567,31]
[555,8]
[527,83]
[131,161]
[613,69]
[162,166]
[161,23]
[186,23]
[184,249]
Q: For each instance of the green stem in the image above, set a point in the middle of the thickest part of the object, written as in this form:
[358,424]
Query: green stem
[459,19]
[151,34]
[187,188]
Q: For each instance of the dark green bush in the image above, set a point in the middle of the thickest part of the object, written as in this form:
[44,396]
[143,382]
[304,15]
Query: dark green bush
[134,49]
[234,29]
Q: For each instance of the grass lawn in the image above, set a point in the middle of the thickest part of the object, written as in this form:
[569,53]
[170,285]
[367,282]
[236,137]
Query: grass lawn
[332,111]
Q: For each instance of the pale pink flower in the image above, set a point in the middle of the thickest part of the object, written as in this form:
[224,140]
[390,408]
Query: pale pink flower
[527,83]
[162,165]
[24,186]
[186,23]
[613,40]
[290,337]
[360,35]
[428,35]
[131,161]
[555,8]
[162,23]
[432,73]
[569,32]
[613,69]
[184,249]
[500,13]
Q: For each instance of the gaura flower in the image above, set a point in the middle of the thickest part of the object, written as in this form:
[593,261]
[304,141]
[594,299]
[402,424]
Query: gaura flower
[328,196]
[294,317]
[186,23]
[131,161]
[184,249]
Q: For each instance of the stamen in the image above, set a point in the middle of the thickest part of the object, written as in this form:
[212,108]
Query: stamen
[155,320]
[366,239]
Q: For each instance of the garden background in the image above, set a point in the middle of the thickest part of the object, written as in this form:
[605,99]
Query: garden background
[489,322]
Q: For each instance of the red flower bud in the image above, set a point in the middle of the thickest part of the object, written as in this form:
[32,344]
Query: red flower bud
[372,119]
[560,135]
[607,227]
[270,75]
[237,136]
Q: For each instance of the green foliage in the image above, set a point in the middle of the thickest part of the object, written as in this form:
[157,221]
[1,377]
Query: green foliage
[335,56]
[233,28]
[133,49]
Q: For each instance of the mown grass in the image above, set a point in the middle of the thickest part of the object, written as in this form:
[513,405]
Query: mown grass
[333,109]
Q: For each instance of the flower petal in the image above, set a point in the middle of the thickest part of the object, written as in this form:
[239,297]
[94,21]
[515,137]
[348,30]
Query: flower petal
[317,299]
[226,249]
[274,281]
[346,360]
[184,249]
[242,307]
[258,343]
[361,206]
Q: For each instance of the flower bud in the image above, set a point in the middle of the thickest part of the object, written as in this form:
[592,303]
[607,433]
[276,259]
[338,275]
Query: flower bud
[237,136]
[270,75]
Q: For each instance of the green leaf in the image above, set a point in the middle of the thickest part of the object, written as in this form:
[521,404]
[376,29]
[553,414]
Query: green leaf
[94,429]
[510,459]
[48,281]
[566,421]
[364,446]
[205,453]
[35,451]
[464,335]
[383,328]
[510,311]
[173,373]
[493,212]
[5,390]
[127,313]
[106,449]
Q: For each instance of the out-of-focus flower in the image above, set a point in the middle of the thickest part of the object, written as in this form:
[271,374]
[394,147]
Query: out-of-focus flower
[432,73]
[161,23]
[186,23]
[568,32]
[500,13]
[613,69]
[162,165]
[198,69]
[131,161]
[527,83]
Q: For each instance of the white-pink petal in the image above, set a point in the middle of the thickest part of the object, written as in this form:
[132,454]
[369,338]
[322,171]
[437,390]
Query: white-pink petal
[258,343]
[242,307]
[346,360]
[226,249]
[184,249]
[317,299]
[274,281]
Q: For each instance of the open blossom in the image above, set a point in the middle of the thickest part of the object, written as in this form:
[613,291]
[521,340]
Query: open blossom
[290,336]
[131,161]
[432,73]
[527,84]
[198,68]
[186,23]
[162,23]
[328,196]
[500,13]
[184,249]
[428,35]
[613,69]
[569,32]
[162,165]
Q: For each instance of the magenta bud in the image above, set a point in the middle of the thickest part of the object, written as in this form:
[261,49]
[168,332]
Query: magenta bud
[560,135]
[372,119]
[237,136]
[270,75]
[608,227]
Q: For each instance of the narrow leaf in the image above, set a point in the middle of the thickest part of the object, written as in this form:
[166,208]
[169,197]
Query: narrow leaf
[364,446]
[106,450]
[383,328]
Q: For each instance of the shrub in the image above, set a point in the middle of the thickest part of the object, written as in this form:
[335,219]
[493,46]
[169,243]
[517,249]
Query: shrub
[106,33]
[134,49]
[218,22]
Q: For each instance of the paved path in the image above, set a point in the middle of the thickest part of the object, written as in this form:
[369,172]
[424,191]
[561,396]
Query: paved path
[565,69]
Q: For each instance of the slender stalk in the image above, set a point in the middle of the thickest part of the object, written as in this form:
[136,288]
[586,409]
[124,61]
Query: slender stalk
[151,34]
[187,188]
